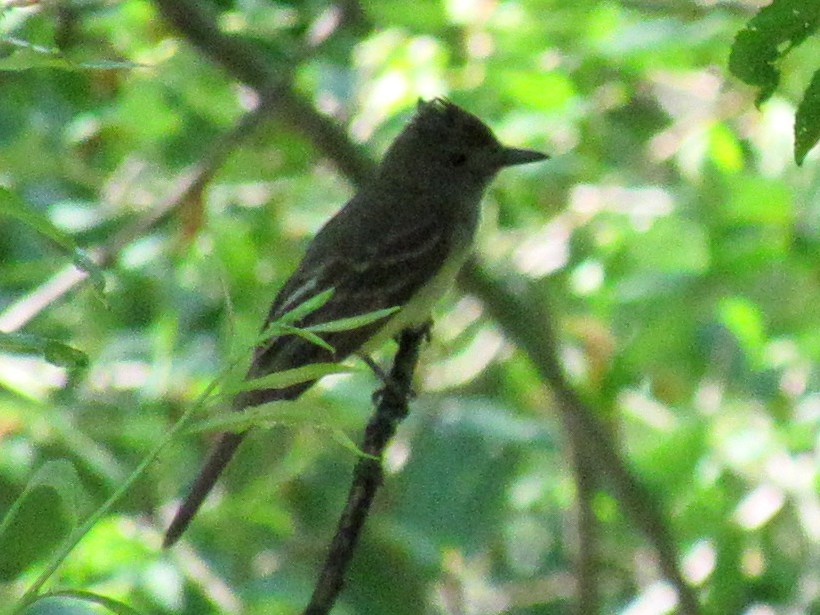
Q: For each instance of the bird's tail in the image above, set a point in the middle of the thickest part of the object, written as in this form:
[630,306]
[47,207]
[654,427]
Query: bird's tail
[230,441]
[218,459]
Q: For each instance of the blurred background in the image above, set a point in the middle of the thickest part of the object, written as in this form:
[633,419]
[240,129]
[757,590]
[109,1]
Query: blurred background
[666,258]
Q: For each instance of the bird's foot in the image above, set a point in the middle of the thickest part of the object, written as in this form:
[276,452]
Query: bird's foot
[389,383]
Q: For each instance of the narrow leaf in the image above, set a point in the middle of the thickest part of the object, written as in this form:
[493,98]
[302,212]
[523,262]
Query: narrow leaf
[280,329]
[52,351]
[293,413]
[27,56]
[307,307]
[354,322]
[288,377]
[341,438]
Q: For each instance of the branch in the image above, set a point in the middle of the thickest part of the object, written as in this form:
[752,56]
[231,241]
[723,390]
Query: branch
[367,477]
[529,324]
[586,567]
[187,188]
[245,62]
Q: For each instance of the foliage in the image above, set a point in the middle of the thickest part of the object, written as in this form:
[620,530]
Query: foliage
[671,236]
[767,38]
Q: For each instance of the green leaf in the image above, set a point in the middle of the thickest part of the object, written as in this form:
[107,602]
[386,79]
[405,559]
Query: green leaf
[769,36]
[13,206]
[354,322]
[115,606]
[237,422]
[282,326]
[759,200]
[342,439]
[105,65]
[44,514]
[27,56]
[52,351]
[538,89]
[277,329]
[724,148]
[307,307]
[422,15]
[288,377]
[743,319]
[61,354]
[667,457]
[291,412]
[807,120]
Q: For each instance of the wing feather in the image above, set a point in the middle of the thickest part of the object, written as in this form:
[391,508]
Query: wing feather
[387,272]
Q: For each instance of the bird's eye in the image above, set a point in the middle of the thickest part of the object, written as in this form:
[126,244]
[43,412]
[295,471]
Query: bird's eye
[458,159]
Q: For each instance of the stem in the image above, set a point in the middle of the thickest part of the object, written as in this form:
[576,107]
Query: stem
[79,533]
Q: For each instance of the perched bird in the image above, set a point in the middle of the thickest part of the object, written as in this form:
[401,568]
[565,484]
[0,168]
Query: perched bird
[399,242]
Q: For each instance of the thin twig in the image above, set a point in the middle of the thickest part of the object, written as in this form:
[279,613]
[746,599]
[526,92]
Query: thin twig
[367,477]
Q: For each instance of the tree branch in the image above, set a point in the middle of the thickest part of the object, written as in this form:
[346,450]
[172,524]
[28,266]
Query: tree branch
[528,322]
[586,567]
[187,188]
[245,62]
[367,477]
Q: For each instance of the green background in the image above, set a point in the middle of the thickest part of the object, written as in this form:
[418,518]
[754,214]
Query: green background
[671,244]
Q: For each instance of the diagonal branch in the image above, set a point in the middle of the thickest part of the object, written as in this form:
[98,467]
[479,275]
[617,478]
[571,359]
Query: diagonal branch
[528,322]
[186,189]
[244,61]
[587,535]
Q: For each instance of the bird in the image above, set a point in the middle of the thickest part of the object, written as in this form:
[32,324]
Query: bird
[399,242]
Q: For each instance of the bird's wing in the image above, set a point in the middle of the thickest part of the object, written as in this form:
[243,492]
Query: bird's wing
[384,272]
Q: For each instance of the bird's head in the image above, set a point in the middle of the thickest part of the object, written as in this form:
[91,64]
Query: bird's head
[444,145]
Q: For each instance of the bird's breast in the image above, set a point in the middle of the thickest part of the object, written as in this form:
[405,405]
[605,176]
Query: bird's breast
[416,311]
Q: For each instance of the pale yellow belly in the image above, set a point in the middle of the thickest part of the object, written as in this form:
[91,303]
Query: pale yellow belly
[418,309]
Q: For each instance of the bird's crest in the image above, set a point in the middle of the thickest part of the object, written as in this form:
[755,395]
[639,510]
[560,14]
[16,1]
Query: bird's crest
[442,117]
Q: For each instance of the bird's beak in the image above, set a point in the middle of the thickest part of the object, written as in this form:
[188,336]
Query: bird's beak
[510,156]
